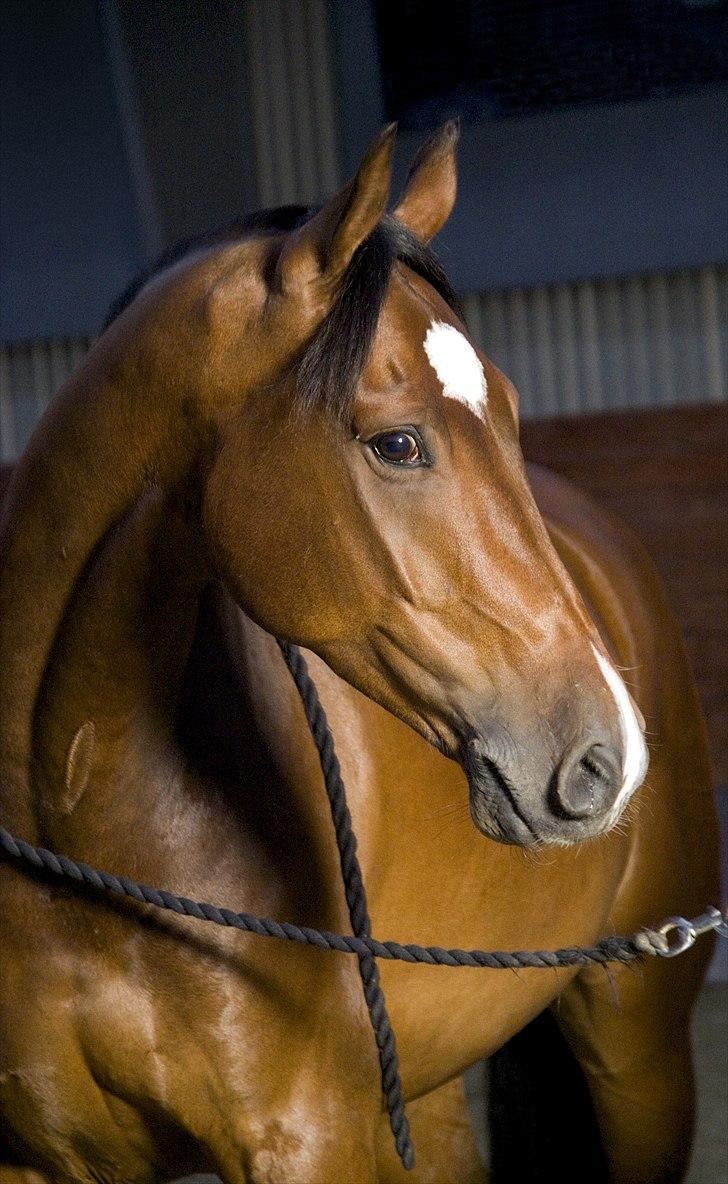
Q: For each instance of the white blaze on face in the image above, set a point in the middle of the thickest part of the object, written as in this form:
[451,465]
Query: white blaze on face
[457,365]
[634,760]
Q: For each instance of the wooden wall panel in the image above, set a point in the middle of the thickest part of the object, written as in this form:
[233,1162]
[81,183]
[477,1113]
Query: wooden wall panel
[665,472]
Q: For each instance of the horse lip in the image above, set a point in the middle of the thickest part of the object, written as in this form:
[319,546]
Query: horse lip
[506,821]
[497,814]
[500,820]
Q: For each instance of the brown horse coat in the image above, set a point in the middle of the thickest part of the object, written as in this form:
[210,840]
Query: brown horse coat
[171,513]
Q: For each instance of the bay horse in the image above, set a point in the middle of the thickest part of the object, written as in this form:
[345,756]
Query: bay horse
[288,432]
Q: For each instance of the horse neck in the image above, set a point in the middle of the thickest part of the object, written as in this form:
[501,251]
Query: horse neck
[93,458]
[145,722]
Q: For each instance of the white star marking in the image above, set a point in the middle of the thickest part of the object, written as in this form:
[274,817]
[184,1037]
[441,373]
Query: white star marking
[457,365]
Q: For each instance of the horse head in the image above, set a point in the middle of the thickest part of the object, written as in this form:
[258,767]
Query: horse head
[363,494]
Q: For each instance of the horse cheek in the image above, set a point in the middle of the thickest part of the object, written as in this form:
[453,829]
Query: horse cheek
[265,564]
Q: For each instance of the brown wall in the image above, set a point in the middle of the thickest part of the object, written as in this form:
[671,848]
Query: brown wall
[665,472]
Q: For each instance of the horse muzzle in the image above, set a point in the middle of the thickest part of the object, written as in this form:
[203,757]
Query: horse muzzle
[518,795]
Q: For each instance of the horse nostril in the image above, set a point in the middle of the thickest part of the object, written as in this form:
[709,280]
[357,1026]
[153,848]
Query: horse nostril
[588,784]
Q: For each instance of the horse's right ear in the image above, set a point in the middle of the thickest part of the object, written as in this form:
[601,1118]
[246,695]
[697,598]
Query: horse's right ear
[323,247]
[431,187]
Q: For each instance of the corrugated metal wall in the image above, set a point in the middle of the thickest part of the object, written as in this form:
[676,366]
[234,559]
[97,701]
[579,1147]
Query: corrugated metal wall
[293,106]
[646,341]
[30,374]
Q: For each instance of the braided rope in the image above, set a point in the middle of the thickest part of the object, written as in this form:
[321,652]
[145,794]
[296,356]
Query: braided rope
[611,949]
[356,899]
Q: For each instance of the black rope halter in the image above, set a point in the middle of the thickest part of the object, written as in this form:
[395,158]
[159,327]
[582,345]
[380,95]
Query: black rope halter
[361,943]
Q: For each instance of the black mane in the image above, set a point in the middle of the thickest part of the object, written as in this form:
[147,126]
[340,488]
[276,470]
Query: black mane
[334,359]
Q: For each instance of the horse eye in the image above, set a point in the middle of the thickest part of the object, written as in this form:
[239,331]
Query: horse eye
[398,448]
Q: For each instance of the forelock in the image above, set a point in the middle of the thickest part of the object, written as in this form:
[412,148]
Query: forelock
[333,362]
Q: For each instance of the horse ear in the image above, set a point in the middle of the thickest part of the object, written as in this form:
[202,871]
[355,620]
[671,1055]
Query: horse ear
[322,248]
[431,188]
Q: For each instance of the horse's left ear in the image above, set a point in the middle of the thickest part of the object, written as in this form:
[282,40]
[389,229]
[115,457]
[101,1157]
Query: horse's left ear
[323,247]
[431,188]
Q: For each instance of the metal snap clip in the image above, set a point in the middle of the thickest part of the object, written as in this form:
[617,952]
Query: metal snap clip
[659,941]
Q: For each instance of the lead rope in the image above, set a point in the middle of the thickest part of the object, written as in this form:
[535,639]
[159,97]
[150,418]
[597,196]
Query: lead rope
[673,937]
[356,898]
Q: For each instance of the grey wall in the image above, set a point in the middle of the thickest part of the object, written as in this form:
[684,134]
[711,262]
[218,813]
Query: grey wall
[583,192]
[124,127]
[612,190]
[69,236]
[179,69]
